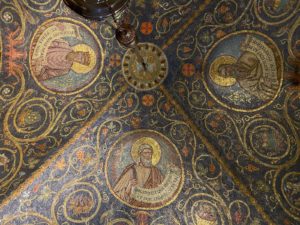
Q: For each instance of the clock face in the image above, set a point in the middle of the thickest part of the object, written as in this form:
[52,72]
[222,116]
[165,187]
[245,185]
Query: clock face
[152,73]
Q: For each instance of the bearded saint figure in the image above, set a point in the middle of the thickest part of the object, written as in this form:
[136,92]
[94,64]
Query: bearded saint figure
[142,174]
[248,72]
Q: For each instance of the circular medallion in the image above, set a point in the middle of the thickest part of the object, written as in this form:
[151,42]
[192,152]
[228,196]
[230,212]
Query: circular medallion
[227,11]
[205,213]
[7,16]
[240,212]
[243,71]
[203,208]
[106,31]
[207,167]
[268,142]
[11,159]
[275,12]
[291,189]
[286,187]
[30,120]
[293,40]
[217,123]
[84,159]
[77,203]
[65,56]
[152,73]
[144,170]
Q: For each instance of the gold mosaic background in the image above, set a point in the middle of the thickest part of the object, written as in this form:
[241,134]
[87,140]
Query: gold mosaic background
[77,120]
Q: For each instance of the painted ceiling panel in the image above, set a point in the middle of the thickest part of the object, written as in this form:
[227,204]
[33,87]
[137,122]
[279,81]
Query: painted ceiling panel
[90,137]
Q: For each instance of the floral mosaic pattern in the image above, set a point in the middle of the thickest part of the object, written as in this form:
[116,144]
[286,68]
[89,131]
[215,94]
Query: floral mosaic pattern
[216,143]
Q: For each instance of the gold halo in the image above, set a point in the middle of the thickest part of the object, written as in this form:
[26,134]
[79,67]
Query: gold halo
[150,141]
[80,68]
[215,75]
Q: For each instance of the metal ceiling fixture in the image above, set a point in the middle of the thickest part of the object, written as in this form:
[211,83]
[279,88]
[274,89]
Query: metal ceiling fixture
[113,12]
[110,11]
[98,9]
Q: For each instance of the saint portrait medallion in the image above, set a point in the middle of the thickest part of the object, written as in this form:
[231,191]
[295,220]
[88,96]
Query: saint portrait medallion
[144,170]
[243,71]
[65,56]
[152,73]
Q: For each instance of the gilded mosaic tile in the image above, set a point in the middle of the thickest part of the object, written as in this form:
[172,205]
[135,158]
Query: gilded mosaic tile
[221,133]
[99,179]
[238,83]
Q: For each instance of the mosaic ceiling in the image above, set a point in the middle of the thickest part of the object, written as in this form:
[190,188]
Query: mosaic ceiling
[88,136]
